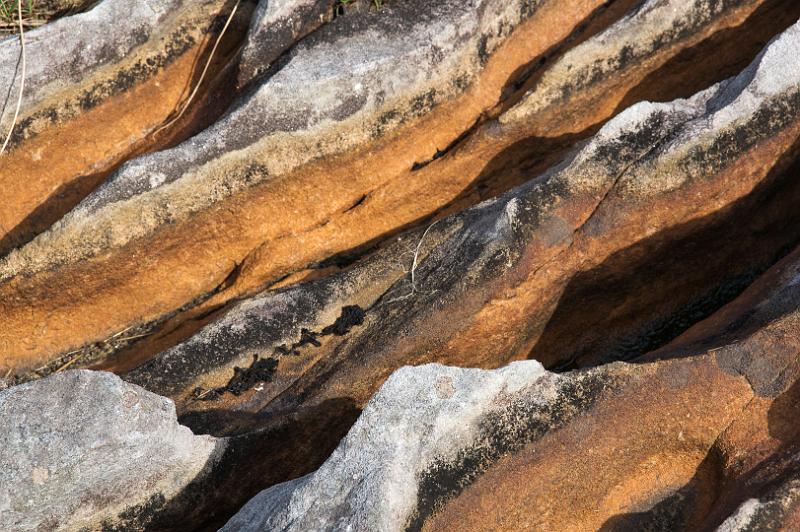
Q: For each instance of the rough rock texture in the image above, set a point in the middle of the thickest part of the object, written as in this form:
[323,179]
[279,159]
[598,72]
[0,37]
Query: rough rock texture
[97,92]
[699,435]
[421,417]
[276,26]
[346,94]
[85,449]
[483,287]
[271,189]
[599,198]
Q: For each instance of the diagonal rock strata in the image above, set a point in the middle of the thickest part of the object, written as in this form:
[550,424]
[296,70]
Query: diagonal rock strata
[275,28]
[142,212]
[435,435]
[258,141]
[647,259]
[486,283]
[94,98]
[700,435]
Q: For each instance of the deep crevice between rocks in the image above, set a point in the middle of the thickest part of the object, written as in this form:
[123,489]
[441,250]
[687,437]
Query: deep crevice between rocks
[641,298]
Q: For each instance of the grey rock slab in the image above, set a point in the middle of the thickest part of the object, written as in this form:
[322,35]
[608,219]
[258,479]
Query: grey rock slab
[767,512]
[276,26]
[86,449]
[66,51]
[421,415]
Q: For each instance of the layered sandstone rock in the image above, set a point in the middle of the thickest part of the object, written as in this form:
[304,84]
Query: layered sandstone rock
[272,188]
[404,265]
[484,287]
[699,435]
[96,93]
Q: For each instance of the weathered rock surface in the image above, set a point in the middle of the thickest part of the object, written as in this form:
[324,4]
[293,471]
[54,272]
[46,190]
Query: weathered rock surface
[86,450]
[421,417]
[346,93]
[97,92]
[699,435]
[364,199]
[275,27]
[271,189]
[483,287]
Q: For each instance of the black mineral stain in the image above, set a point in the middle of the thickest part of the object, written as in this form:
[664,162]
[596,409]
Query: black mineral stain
[352,315]
[263,369]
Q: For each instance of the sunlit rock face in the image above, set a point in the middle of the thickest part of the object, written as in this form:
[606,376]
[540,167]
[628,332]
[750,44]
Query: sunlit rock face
[401,265]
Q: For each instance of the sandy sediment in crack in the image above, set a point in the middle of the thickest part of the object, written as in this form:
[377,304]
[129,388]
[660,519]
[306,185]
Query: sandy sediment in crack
[93,98]
[333,108]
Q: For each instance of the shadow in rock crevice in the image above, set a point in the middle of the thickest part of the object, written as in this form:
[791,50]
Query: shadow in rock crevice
[720,56]
[259,452]
[642,297]
[678,509]
[777,467]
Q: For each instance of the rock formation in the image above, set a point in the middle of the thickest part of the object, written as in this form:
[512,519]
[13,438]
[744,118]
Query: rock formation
[403,265]
[85,449]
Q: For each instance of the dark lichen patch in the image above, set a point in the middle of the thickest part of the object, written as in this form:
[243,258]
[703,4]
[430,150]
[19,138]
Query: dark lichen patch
[777,114]
[386,121]
[515,426]
[352,315]
[483,50]
[263,369]
[244,379]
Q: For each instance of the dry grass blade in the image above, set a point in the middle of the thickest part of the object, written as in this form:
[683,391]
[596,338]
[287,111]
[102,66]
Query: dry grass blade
[413,268]
[191,97]
[65,366]
[22,80]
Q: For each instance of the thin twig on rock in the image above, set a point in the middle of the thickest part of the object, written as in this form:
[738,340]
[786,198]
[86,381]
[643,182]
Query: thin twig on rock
[22,80]
[414,267]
